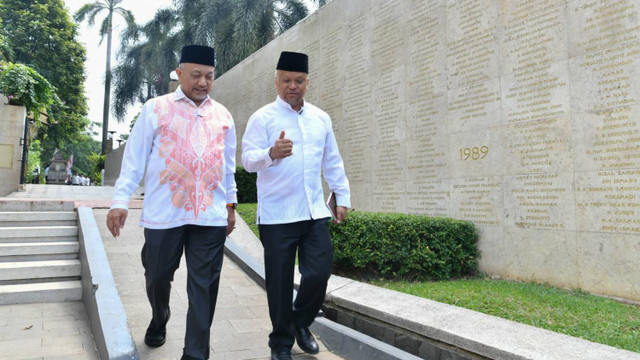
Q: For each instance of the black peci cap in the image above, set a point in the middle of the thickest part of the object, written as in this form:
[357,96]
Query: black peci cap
[198,54]
[293,61]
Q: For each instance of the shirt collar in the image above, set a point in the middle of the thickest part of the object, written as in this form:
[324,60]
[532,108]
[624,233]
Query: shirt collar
[179,95]
[287,106]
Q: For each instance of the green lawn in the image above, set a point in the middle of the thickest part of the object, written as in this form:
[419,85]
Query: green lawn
[573,313]
[248,214]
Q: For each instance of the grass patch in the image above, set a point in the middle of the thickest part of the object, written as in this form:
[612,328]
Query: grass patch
[574,313]
[248,213]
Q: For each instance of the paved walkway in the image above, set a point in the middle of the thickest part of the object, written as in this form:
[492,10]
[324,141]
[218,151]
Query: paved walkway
[241,323]
[47,331]
[89,196]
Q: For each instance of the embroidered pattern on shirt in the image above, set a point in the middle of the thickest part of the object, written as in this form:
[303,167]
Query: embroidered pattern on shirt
[192,145]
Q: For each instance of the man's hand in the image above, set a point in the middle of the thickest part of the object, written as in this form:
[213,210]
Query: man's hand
[282,148]
[231,220]
[341,214]
[115,220]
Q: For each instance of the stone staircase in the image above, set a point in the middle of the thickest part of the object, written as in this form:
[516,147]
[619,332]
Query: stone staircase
[39,255]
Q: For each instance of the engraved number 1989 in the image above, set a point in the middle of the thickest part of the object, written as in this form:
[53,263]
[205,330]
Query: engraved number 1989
[474,153]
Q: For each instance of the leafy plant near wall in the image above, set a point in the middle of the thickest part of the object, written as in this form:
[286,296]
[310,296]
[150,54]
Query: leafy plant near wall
[399,246]
[98,164]
[33,160]
[246,183]
[24,86]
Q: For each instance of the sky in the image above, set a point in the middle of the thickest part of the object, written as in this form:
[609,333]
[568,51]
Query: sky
[143,11]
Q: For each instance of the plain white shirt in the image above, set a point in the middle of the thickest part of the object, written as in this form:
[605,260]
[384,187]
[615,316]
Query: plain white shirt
[290,189]
[189,154]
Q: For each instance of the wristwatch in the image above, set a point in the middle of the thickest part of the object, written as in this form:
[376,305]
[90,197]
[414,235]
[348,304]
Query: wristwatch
[232,205]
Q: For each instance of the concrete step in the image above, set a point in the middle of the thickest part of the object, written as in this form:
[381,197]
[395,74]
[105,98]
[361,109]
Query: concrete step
[38,223]
[9,204]
[40,293]
[39,251]
[38,234]
[39,281]
[39,239]
[38,218]
[11,272]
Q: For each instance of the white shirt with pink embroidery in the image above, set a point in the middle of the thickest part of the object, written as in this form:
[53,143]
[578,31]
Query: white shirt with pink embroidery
[189,154]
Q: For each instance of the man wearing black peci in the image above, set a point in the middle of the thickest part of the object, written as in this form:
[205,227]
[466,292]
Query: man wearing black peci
[186,141]
[290,144]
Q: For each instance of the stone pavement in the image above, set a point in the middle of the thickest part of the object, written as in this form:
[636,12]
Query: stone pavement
[241,322]
[46,331]
[240,326]
[89,196]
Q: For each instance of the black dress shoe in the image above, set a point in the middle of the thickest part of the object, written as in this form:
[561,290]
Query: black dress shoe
[305,340]
[282,354]
[155,338]
[187,357]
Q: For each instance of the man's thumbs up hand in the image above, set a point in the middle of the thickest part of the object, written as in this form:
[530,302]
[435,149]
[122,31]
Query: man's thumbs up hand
[282,148]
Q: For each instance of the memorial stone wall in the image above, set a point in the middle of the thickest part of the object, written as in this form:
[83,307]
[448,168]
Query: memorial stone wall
[521,116]
[11,134]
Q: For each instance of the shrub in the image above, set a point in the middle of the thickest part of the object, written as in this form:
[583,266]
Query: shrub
[24,86]
[405,246]
[33,161]
[98,164]
[246,183]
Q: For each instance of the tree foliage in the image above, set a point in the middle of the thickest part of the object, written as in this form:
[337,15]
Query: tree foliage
[82,149]
[33,160]
[89,12]
[41,35]
[5,50]
[98,164]
[238,28]
[147,57]
[24,86]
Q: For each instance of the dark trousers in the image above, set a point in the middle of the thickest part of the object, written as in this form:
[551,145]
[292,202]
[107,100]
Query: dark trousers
[315,259]
[203,247]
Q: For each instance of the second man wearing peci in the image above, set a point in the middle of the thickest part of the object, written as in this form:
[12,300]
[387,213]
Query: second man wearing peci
[290,144]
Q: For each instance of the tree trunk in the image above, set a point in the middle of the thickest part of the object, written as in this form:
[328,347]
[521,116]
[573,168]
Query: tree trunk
[107,89]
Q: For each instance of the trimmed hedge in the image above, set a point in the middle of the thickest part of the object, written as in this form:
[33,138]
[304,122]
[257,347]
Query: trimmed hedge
[246,183]
[405,246]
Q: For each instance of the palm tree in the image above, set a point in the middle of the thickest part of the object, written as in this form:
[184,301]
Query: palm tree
[238,28]
[146,58]
[90,11]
